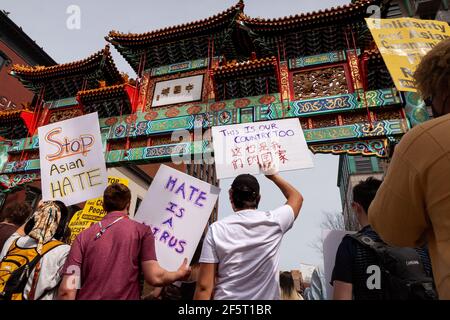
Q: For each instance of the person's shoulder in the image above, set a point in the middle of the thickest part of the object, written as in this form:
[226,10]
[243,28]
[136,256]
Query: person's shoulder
[139,226]
[285,208]
[426,127]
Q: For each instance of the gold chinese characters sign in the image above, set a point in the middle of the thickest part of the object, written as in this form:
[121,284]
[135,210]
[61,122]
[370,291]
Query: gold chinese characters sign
[403,42]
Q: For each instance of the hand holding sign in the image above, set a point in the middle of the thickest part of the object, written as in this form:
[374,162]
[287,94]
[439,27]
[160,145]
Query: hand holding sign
[184,271]
[242,148]
[177,207]
[269,169]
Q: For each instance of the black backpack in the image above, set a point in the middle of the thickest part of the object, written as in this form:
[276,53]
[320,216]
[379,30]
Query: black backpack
[403,276]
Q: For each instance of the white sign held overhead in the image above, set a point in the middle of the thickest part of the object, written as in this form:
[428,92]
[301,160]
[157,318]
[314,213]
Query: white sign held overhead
[72,163]
[177,207]
[241,148]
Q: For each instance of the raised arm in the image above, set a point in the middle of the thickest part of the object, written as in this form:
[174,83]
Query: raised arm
[293,196]
[157,276]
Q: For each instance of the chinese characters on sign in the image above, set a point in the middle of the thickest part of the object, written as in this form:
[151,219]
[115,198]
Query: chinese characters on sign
[241,148]
[180,90]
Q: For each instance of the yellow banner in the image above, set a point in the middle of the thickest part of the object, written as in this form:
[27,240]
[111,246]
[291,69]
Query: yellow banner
[403,42]
[91,213]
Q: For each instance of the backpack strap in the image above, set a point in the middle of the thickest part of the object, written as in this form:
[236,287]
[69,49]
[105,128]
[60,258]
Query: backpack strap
[45,249]
[378,246]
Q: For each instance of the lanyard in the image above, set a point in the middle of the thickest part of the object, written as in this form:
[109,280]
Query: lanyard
[102,230]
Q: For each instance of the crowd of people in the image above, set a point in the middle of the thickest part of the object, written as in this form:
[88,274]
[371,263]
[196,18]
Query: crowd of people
[401,252]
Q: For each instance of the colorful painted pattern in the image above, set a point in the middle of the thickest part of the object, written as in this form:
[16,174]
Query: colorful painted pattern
[179,67]
[61,103]
[19,145]
[331,57]
[415,108]
[377,148]
[21,166]
[356,131]
[9,182]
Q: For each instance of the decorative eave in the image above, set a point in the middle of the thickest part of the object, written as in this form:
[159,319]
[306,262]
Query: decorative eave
[246,67]
[321,17]
[12,124]
[10,116]
[173,33]
[104,93]
[101,60]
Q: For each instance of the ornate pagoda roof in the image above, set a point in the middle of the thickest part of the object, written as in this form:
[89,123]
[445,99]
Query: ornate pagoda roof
[108,92]
[242,68]
[108,101]
[218,21]
[12,125]
[65,80]
[330,15]
[236,35]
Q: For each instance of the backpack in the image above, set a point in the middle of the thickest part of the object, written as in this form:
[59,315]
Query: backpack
[16,268]
[403,275]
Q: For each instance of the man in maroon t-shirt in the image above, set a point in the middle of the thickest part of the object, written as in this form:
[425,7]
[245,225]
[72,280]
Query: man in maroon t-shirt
[105,260]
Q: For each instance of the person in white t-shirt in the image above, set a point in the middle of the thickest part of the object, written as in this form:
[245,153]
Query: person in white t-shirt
[240,253]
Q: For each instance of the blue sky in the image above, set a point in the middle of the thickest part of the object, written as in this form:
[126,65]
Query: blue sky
[45,22]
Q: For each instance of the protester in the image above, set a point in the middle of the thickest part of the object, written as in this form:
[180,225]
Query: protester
[242,250]
[106,258]
[287,287]
[43,230]
[318,287]
[14,216]
[354,260]
[413,204]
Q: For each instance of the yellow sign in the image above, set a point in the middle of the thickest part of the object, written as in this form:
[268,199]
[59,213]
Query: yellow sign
[92,212]
[403,42]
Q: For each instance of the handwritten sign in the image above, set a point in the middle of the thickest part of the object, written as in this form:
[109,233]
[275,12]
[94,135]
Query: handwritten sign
[77,225]
[92,212]
[403,42]
[72,162]
[240,148]
[177,207]
[178,90]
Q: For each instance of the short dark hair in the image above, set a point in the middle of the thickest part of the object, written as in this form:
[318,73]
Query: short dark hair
[17,213]
[245,192]
[364,192]
[116,197]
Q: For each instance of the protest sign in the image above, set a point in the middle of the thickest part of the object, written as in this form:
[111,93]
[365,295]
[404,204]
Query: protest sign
[177,207]
[331,241]
[239,148]
[76,225]
[72,163]
[92,212]
[403,42]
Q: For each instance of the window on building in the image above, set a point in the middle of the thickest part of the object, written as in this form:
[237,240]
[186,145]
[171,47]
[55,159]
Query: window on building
[363,165]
